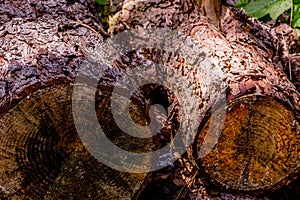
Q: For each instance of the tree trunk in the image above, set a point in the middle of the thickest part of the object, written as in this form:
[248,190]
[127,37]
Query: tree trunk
[43,45]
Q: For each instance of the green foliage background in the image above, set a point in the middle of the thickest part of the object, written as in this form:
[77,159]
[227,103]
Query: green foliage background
[273,9]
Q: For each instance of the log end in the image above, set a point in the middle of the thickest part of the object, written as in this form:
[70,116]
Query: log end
[42,156]
[254,149]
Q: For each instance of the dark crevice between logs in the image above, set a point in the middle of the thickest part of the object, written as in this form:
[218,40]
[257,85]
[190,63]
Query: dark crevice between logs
[141,101]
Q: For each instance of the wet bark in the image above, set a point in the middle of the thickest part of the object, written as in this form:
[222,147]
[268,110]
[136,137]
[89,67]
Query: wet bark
[42,46]
[40,40]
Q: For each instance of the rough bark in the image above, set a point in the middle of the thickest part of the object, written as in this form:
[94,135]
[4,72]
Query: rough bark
[41,40]
[265,67]
[295,67]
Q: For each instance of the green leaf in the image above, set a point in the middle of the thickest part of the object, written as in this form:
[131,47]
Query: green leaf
[279,8]
[272,9]
[101,2]
[296,9]
[296,1]
[296,22]
[259,5]
[261,8]
[296,17]
[241,3]
[260,13]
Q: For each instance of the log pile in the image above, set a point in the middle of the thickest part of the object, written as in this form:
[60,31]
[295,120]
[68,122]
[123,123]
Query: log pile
[43,45]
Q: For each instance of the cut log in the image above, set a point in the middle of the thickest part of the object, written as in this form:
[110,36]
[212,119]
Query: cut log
[256,151]
[41,156]
[258,146]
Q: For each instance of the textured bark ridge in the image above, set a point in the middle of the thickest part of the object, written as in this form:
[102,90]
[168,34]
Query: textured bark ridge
[41,44]
[250,56]
[295,68]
